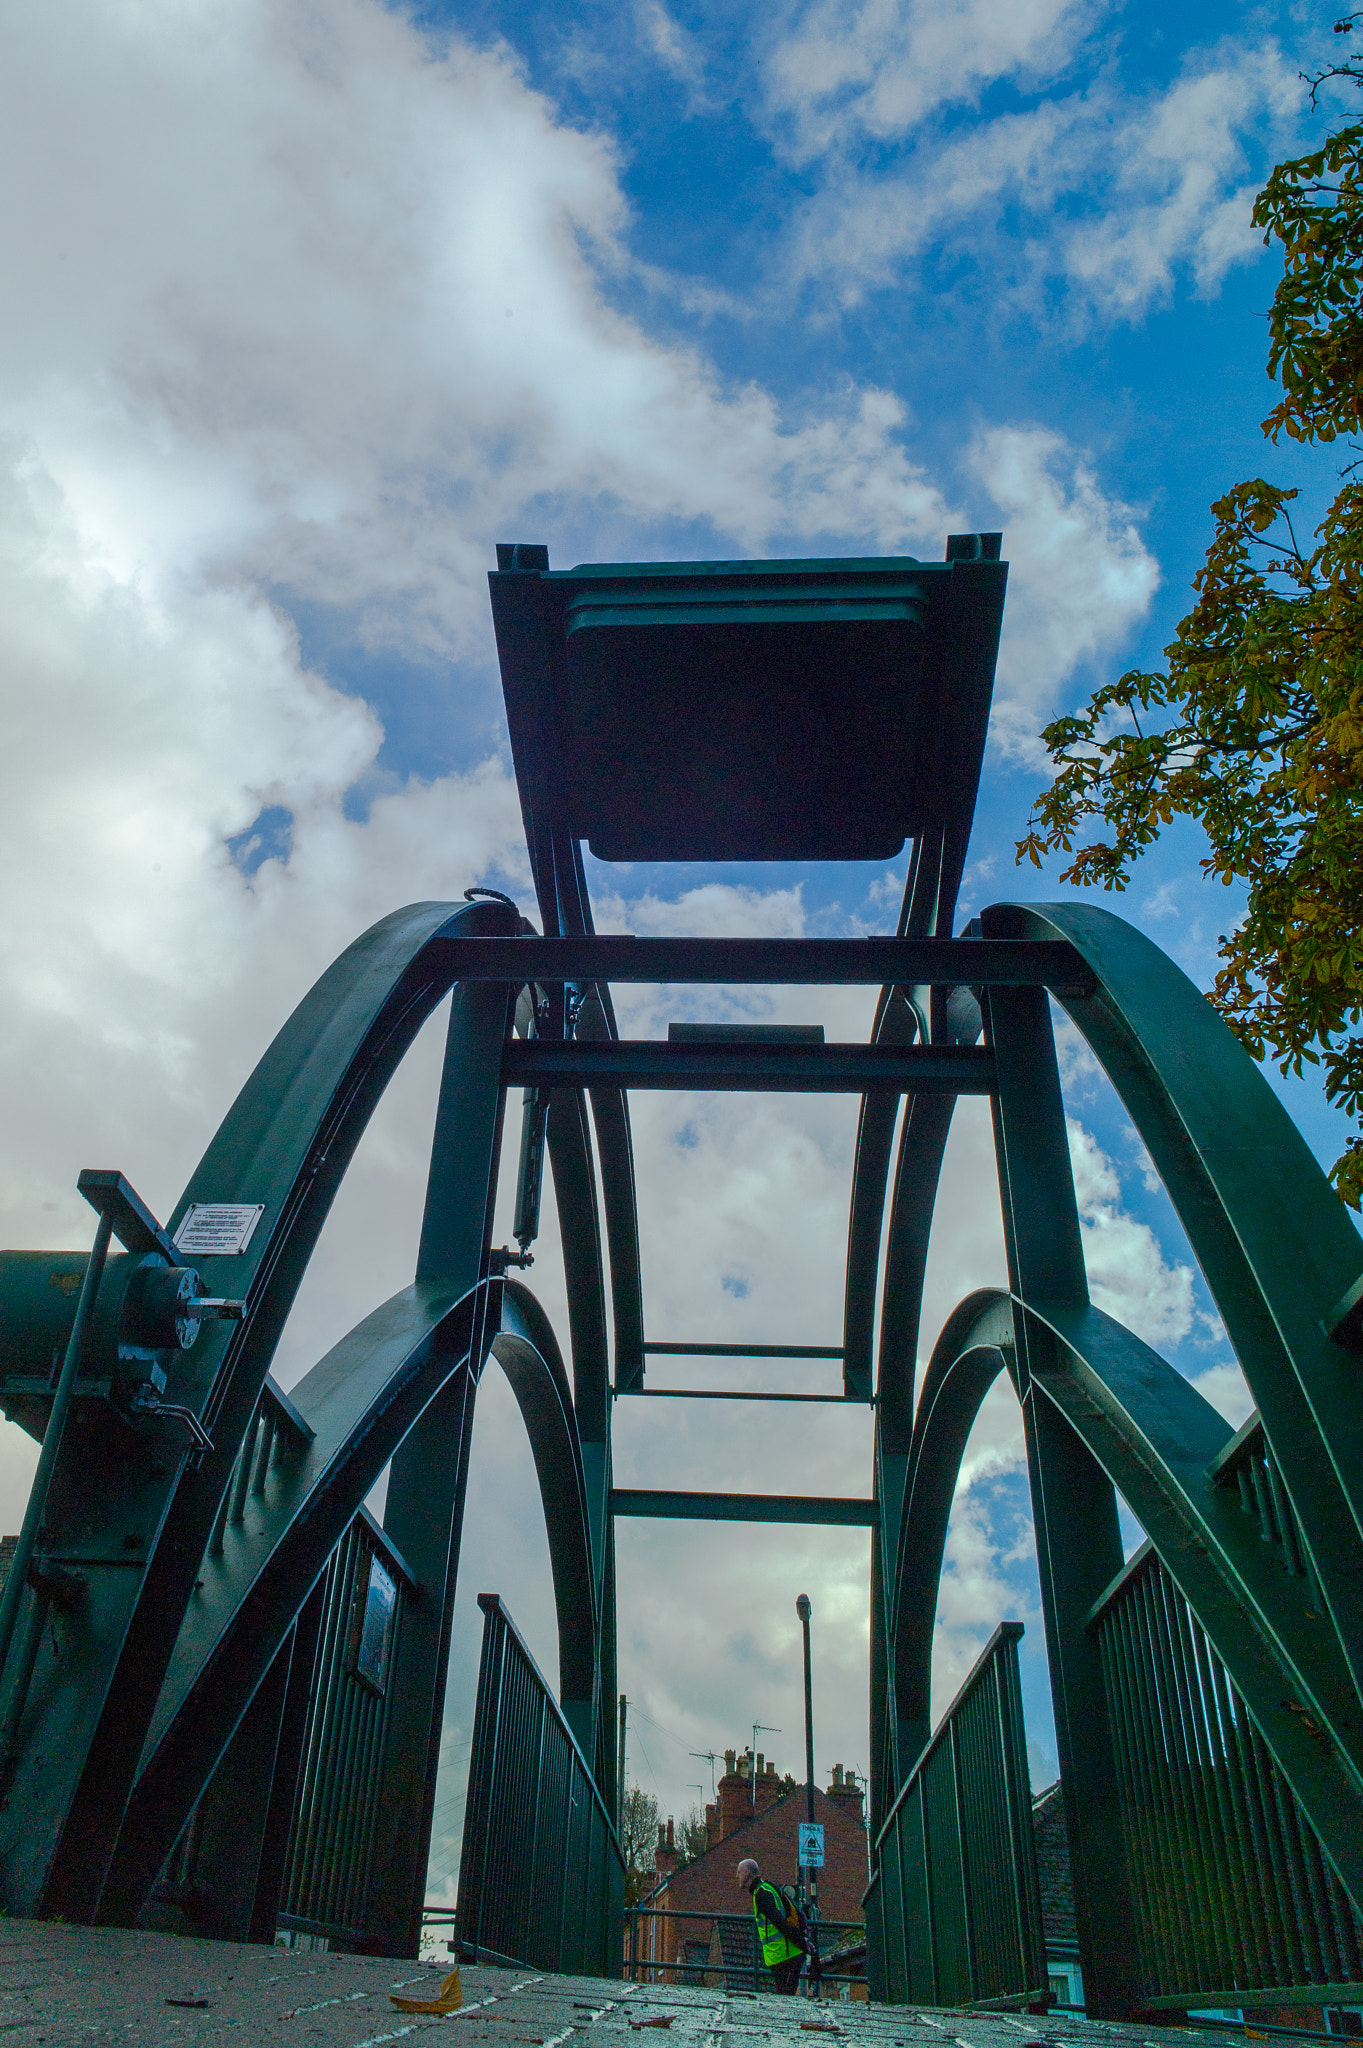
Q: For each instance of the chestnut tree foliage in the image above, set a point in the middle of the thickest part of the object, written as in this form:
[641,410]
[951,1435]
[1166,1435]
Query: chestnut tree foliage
[1255,728]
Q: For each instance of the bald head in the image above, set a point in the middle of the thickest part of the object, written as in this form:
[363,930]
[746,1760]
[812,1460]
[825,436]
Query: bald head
[747,1873]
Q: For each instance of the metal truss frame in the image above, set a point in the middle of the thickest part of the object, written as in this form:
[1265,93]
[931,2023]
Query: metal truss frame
[176,1625]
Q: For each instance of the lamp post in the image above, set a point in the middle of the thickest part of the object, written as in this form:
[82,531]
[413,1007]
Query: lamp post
[808,1875]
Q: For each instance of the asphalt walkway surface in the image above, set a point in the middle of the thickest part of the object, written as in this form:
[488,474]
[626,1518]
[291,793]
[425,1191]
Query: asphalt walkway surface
[63,1985]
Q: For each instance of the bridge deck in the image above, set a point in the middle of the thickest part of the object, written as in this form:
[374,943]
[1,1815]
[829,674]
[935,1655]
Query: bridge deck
[99,1986]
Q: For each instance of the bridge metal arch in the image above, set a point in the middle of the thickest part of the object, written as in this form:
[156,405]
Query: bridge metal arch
[161,1655]
[1278,1273]
[1158,1441]
[361,1400]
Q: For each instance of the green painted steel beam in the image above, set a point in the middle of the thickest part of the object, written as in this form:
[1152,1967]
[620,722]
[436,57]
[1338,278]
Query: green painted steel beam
[641,1503]
[733,1394]
[808,1069]
[670,1350]
[364,1398]
[832,963]
[1157,1439]
[1275,1243]
[285,1144]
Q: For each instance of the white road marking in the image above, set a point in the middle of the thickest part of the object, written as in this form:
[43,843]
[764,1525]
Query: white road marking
[348,1999]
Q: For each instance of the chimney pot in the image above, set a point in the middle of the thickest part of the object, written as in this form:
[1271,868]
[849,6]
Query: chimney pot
[729,1756]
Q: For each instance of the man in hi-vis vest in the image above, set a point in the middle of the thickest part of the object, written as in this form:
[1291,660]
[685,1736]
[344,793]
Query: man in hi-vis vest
[782,1949]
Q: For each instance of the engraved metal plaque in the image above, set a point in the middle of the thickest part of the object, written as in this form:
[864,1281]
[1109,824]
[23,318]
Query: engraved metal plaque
[220,1228]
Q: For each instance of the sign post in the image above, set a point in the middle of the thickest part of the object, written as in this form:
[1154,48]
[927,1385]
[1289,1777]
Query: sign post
[811,1834]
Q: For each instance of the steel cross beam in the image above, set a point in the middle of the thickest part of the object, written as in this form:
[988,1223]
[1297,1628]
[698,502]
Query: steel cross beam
[806,1069]
[823,1511]
[870,962]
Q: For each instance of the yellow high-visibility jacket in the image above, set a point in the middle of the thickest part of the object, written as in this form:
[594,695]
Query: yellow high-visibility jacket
[769,1911]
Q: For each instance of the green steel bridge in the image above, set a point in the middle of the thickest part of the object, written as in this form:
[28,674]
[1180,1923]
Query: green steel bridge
[222,1682]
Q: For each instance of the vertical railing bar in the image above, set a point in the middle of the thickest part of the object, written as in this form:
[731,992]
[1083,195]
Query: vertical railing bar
[1136,1802]
[1268,1528]
[1280,1858]
[1262,1824]
[243,1472]
[1212,1965]
[1238,1876]
[220,1519]
[1205,1963]
[1286,1517]
[338,1756]
[1163,1809]
[1222,1946]
[333,1737]
[267,1416]
[1268,1952]
[350,1843]
[308,1816]
[1308,1854]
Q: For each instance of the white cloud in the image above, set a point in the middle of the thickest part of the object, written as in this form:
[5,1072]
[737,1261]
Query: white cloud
[1129,1276]
[1180,193]
[713,910]
[881,66]
[676,50]
[1080,577]
[306,300]
[1224,1386]
[1113,195]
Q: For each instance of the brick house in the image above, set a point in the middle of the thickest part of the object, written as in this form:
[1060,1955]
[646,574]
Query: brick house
[1057,1897]
[757,1814]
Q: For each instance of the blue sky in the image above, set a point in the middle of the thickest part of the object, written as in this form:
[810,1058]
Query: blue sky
[312,304]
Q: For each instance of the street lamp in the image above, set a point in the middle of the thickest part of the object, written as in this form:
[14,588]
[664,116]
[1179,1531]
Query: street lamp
[808,1873]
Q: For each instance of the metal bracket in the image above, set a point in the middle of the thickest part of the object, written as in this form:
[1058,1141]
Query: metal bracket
[147,1402]
[109,1194]
[503,1257]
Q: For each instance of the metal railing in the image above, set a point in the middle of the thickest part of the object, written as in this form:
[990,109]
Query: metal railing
[953,1913]
[327,1872]
[276,1431]
[1234,1896]
[541,1876]
[667,1945]
[1248,1464]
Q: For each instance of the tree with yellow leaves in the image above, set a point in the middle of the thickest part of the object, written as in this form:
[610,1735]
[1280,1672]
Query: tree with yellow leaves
[1256,728]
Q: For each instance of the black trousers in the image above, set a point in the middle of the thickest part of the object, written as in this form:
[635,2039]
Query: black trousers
[786,1976]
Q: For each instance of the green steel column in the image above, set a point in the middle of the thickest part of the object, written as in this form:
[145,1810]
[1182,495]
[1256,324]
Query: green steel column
[570,1158]
[1078,1540]
[426,1482]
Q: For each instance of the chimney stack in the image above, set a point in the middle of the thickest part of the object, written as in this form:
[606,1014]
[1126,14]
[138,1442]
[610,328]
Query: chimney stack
[845,1794]
[767,1787]
[734,1793]
[667,1856]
